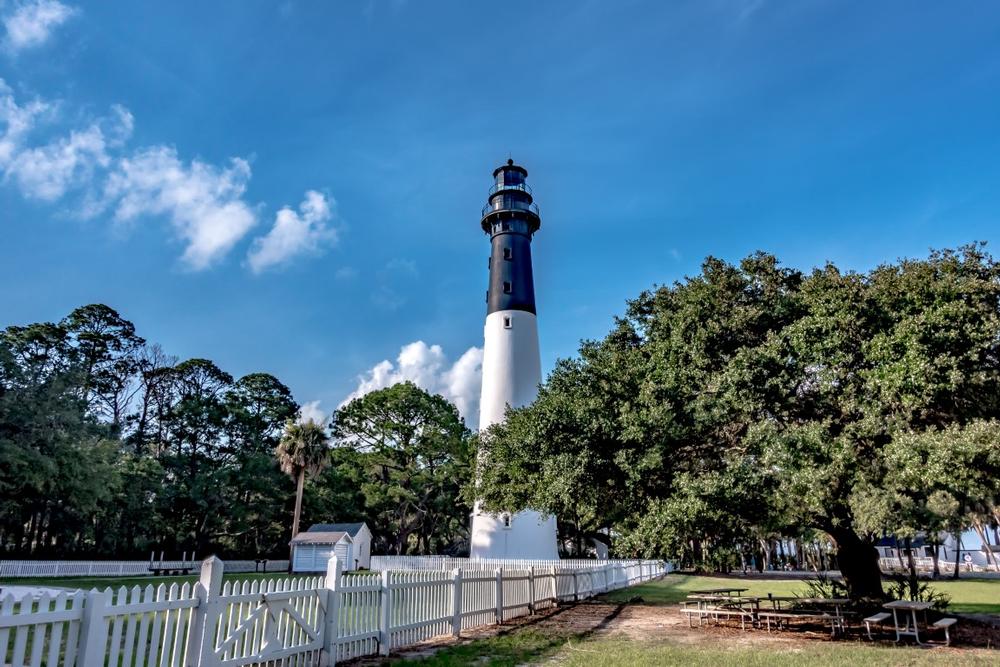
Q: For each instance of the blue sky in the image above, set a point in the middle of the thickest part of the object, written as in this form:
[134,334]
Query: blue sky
[295,187]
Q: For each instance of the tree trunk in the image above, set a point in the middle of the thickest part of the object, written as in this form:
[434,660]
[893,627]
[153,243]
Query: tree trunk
[958,553]
[935,545]
[858,562]
[990,556]
[299,486]
[913,569]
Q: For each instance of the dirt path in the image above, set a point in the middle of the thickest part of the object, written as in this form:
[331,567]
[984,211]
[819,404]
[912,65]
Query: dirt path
[653,624]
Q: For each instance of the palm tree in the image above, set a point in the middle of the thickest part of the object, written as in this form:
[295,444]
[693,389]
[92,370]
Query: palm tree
[303,450]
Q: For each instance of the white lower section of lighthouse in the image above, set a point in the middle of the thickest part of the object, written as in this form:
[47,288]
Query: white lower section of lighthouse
[512,370]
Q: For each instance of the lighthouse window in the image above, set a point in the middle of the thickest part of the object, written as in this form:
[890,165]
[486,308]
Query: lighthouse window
[506,321]
[506,253]
[489,264]
[506,520]
[506,287]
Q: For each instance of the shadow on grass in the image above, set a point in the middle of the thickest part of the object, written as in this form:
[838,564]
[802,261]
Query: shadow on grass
[974,608]
[518,645]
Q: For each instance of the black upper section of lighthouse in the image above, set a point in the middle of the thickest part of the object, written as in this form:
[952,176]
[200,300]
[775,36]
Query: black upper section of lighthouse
[510,218]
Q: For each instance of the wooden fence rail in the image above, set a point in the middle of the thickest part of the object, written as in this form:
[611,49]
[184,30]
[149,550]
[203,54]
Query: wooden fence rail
[293,622]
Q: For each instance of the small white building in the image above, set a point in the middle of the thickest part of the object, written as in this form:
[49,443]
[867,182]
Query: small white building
[312,550]
[361,538]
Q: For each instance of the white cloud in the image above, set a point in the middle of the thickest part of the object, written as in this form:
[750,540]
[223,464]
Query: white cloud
[312,412]
[17,120]
[294,233]
[427,367]
[32,22]
[47,172]
[203,202]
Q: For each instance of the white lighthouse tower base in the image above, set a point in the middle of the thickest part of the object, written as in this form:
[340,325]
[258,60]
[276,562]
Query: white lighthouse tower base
[523,535]
[511,374]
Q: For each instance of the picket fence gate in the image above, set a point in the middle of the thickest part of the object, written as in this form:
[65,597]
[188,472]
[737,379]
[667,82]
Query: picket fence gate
[293,622]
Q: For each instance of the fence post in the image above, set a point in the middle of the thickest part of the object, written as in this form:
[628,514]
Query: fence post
[576,588]
[94,628]
[201,639]
[331,625]
[531,589]
[384,636]
[555,587]
[456,602]
[499,595]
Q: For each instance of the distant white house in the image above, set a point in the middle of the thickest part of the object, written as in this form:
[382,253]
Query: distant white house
[361,536]
[970,550]
[311,551]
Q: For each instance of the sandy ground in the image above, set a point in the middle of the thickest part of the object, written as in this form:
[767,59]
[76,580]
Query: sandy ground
[665,623]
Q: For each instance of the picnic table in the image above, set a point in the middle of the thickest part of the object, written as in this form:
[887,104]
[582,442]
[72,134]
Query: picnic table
[719,591]
[837,619]
[909,611]
[717,603]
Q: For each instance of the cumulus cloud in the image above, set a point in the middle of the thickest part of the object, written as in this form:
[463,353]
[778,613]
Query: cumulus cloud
[312,412]
[32,21]
[203,203]
[294,233]
[48,171]
[427,367]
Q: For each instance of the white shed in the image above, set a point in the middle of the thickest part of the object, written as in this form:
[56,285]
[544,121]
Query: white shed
[311,551]
[361,537]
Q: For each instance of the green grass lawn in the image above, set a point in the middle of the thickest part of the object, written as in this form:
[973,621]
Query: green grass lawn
[569,649]
[532,647]
[967,595]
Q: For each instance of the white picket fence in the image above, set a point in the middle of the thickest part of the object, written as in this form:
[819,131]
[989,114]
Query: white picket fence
[117,568]
[444,563]
[290,622]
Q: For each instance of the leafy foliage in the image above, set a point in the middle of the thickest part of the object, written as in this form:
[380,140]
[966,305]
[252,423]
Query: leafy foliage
[414,455]
[753,400]
[110,447]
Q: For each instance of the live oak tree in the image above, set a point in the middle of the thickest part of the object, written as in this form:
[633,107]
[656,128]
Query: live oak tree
[413,457]
[756,399]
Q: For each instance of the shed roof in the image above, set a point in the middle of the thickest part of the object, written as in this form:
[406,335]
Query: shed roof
[351,529]
[321,537]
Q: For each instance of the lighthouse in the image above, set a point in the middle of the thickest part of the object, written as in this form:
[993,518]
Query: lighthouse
[511,363]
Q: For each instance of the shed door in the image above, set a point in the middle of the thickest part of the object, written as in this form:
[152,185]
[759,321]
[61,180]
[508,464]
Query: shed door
[323,554]
[343,551]
[305,557]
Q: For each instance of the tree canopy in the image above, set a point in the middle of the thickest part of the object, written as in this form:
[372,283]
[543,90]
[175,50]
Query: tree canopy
[414,453]
[111,447]
[753,400]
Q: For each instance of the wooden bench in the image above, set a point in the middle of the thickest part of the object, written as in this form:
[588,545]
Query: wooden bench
[945,624]
[880,617]
[834,621]
[703,612]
